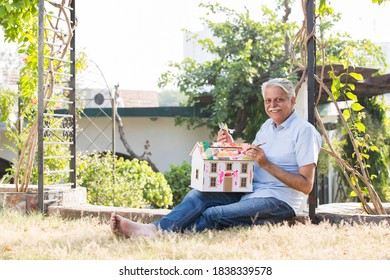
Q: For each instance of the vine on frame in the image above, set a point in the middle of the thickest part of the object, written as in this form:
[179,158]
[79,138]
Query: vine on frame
[355,169]
[19,19]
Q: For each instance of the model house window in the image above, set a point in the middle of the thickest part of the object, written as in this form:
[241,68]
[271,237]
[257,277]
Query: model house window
[213,181]
[213,167]
[197,174]
[229,166]
[244,168]
[243,183]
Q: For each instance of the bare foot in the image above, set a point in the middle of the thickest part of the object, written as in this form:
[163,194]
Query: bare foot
[120,225]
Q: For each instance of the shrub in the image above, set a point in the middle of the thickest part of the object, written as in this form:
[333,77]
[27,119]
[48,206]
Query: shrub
[179,179]
[132,183]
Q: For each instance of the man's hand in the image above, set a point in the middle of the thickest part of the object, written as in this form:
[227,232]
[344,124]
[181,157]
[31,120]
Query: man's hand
[303,181]
[257,153]
[224,136]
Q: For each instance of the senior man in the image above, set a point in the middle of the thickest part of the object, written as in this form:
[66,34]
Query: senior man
[283,174]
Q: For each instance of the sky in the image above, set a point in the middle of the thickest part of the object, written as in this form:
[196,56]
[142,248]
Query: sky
[132,42]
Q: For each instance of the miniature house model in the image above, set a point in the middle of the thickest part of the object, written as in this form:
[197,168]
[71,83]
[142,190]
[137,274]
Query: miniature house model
[220,167]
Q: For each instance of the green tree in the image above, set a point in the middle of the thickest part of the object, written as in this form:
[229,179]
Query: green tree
[19,21]
[246,53]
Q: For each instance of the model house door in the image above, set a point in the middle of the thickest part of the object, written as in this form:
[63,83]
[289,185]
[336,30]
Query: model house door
[228,184]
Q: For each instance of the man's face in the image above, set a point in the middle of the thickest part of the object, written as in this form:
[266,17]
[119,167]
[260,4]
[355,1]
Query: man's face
[277,104]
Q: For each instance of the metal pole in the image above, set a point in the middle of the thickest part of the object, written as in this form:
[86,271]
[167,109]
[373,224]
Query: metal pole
[40,103]
[311,88]
[113,116]
[114,111]
[72,96]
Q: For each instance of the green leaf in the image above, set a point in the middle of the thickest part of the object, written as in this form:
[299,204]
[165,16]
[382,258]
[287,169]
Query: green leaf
[361,127]
[366,156]
[2,11]
[357,107]
[346,114]
[357,76]
[8,7]
[374,148]
[351,96]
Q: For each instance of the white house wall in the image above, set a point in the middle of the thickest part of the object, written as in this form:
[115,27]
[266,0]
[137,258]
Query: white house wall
[197,165]
[236,167]
[301,103]
[169,144]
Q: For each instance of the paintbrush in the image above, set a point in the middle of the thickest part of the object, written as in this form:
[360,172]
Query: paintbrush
[258,145]
[224,126]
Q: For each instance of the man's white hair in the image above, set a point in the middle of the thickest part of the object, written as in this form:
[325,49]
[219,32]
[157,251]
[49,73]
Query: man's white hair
[283,83]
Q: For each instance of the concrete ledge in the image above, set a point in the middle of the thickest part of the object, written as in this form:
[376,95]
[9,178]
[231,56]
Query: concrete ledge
[349,212]
[27,202]
[334,213]
[351,219]
[333,218]
[104,212]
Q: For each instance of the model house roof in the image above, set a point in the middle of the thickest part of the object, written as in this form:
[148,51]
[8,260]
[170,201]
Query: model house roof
[219,151]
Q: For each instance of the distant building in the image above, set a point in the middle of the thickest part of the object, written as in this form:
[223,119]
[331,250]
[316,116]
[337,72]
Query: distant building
[10,63]
[102,98]
[138,98]
[192,49]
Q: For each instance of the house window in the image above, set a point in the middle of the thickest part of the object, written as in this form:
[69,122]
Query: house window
[244,168]
[197,174]
[243,182]
[213,167]
[213,181]
[229,166]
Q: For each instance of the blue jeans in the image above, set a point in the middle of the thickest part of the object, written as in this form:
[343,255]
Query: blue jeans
[204,210]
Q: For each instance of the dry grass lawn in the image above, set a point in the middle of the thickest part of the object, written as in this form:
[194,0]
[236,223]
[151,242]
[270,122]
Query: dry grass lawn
[35,237]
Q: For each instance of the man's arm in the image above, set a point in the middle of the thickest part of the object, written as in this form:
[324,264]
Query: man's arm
[303,181]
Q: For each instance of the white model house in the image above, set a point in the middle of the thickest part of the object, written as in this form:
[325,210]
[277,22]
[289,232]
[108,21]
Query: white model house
[220,167]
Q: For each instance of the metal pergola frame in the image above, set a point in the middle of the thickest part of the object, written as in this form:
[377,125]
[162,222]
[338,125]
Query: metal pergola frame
[311,89]
[67,85]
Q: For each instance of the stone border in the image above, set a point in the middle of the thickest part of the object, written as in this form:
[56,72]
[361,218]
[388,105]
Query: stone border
[351,219]
[334,213]
[104,212]
[27,202]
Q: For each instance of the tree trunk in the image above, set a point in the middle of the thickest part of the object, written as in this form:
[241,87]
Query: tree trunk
[122,136]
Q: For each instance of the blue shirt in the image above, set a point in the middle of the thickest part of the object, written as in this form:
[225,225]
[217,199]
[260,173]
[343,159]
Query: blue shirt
[292,144]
